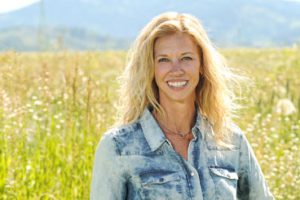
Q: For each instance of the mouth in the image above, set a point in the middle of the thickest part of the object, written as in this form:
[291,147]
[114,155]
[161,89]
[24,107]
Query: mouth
[177,84]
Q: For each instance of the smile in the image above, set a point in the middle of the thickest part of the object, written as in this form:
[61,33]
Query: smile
[177,84]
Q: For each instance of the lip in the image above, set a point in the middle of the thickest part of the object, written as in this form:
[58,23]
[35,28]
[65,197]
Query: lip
[176,80]
[173,86]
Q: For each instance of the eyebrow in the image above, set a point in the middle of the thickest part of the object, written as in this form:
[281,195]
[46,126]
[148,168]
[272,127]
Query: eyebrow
[165,55]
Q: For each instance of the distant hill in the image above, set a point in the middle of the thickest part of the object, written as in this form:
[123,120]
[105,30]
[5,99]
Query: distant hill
[103,24]
[30,38]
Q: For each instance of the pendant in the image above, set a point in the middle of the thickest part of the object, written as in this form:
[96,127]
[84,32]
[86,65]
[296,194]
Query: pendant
[181,135]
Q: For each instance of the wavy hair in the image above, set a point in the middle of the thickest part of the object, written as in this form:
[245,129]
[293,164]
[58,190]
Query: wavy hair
[214,94]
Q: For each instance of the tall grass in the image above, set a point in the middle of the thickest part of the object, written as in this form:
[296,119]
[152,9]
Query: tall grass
[55,106]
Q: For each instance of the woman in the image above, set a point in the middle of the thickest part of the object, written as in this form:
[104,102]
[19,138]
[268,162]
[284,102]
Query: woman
[176,140]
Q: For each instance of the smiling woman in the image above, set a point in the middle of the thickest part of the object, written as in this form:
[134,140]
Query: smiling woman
[177,68]
[175,138]
[12,5]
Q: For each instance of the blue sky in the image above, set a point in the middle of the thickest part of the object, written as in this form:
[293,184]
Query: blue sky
[12,5]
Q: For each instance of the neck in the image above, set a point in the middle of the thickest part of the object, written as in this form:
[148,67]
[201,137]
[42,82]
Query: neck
[180,116]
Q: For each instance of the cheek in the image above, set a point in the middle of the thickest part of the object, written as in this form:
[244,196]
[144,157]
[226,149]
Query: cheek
[197,69]
[157,76]
[193,70]
[160,71]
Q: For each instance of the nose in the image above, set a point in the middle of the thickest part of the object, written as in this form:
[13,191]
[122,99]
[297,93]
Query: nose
[177,68]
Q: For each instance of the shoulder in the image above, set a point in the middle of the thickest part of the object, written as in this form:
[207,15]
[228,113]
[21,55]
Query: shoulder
[235,130]
[126,139]
[237,136]
[233,136]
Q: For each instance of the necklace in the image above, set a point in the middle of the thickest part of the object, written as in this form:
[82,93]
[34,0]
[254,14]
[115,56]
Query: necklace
[167,130]
[180,134]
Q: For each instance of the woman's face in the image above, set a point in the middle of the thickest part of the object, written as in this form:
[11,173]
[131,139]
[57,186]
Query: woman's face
[177,68]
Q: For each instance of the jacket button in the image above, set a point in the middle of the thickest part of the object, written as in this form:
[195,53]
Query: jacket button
[192,174]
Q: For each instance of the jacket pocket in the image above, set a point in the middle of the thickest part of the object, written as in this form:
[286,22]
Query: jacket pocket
[225,182]
[161,185]
[225,173]
[153,178]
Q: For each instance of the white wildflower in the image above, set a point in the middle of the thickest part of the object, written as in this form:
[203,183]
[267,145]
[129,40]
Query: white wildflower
[66,96]
[35,117]
[285,107]
[28,168]
[38,103]
[84,79]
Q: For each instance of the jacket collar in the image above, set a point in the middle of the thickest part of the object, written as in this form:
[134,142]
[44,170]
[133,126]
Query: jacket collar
[154,135]
[152,132]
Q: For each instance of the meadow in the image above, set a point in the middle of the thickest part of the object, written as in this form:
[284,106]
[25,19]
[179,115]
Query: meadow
[54,107]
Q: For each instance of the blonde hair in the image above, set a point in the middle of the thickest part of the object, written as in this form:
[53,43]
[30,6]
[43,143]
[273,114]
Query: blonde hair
[214,96]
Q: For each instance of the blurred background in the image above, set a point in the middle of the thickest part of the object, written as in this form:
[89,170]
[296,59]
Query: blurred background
[59,65]
[39,25]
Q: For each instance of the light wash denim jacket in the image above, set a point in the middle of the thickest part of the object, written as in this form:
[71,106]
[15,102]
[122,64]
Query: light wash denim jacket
[137,161]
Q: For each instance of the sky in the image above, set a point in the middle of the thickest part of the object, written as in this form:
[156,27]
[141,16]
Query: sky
[7,6]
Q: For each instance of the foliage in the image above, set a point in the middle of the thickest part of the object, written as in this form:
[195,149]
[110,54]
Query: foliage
[55,106]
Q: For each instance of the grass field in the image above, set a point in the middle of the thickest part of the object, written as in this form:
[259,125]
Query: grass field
[55,106]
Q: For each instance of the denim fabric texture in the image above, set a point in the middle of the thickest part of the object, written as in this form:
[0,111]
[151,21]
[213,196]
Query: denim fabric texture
[137,161]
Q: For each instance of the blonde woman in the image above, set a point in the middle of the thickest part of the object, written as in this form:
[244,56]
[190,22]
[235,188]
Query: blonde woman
[176,139]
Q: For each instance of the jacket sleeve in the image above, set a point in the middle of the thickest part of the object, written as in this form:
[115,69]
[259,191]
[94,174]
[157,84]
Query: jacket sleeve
[108,181]
[251,183]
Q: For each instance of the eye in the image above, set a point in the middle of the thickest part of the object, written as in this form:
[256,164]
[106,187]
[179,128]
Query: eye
[163,60]
[186,58]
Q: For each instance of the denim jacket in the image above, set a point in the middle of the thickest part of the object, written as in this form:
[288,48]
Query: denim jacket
[137,161]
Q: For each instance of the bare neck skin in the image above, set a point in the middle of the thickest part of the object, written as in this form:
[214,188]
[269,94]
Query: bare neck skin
[180,116]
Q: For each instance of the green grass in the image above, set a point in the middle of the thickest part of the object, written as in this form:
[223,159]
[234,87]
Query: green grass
[55,106]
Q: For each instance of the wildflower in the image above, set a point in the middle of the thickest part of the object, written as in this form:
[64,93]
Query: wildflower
[84,79]
[28,168]
[38,103]
[35,117]
[66,96]
[285,107]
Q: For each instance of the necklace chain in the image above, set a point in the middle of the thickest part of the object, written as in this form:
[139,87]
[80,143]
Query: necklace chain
[180,134]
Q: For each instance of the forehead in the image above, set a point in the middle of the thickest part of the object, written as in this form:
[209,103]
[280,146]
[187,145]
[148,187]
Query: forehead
[175,43]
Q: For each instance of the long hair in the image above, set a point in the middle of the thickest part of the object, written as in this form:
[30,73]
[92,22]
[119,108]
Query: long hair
[214,94]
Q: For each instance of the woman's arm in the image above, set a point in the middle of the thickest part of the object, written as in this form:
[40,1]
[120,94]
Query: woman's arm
[251,183]
[107,181]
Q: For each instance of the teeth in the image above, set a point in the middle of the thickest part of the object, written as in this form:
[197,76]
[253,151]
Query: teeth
[177,84]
